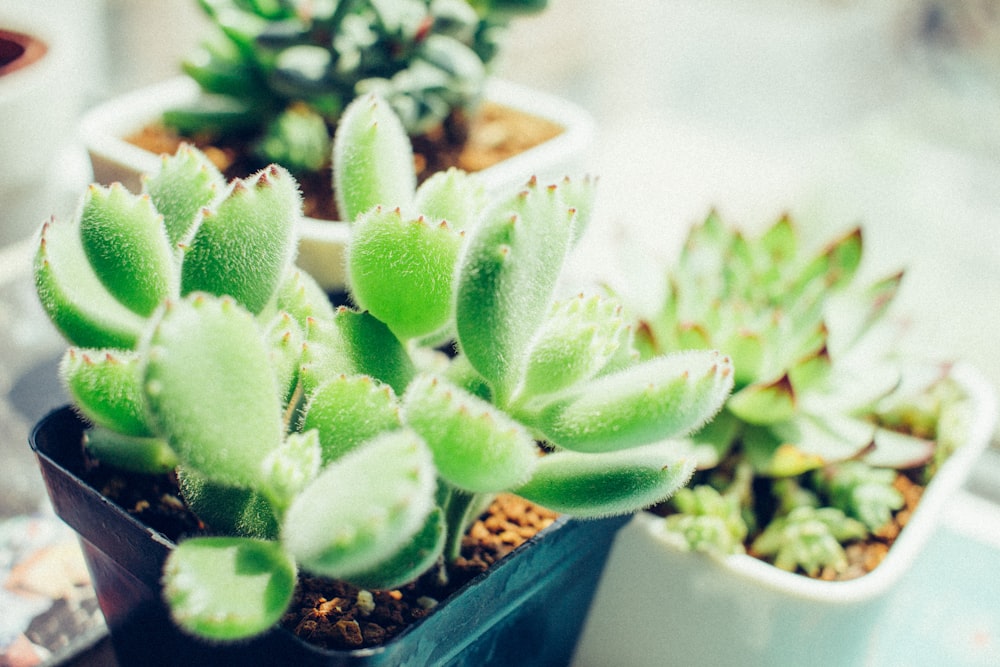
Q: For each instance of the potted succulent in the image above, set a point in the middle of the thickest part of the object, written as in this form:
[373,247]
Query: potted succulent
[272,83]
[352,443]
[819,481]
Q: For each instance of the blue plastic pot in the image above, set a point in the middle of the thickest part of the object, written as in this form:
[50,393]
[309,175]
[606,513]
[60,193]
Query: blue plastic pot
[526,610]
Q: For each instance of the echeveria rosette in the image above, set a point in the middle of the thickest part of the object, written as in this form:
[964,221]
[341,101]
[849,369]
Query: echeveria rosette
[283,72]
[814,414]
[810,359]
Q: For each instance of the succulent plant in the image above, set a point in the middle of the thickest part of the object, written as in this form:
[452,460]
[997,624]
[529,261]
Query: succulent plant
[283,71]
[342,441]
[823,411]
[809,538]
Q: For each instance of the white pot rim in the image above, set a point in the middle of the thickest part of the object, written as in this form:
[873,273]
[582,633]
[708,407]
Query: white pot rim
[322,242]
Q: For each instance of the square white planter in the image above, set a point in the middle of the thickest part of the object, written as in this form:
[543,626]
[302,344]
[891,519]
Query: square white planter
[321,242]
[657,605]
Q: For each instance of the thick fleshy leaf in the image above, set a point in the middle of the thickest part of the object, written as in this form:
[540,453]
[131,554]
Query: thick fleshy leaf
[126,244]
[852,315]
[579,194]
[374,500]
[228,587]
[415,558]
[211,389]
[453,196]
[899,450]
[372,159]
[579,338]
[187,182]
[402,271]
[144,455]
[298,138]
[791,448]
[595,485]
[286,339]
[291,466]
[354,344]
[348,410]
[662,398]
[74,299]
[507,278]
[106,386]
[835,266]
[300,296]
[476,447]
[244,246]
[227,510]
[765,402]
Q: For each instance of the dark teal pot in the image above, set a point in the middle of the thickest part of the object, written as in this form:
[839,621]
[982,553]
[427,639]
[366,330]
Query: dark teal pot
[526,610]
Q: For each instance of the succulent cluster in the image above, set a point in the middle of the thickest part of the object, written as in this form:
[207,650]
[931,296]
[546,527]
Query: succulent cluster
[823,413]
[282,71]
[343,441]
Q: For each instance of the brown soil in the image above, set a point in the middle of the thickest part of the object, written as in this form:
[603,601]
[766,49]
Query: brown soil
[325,612]
[492,135]
[328,613]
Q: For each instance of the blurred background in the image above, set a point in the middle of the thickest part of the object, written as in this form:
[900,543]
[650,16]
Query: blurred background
[884,113]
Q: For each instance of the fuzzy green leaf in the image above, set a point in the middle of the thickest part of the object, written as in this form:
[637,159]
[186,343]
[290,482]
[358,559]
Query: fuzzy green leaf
[106,387]
[348,410]
[123,237]
[595,485]
[363,508]
[300,296]
[402,270]
[135,453]
[74,299]
[286,339]
[658,399]
[579,194]
[476,447]
[415,558]
[372,159]
[244,246]
[211,389]
[454,196]
[291,466]
[187,182]
[354,344]
[506,282]
[228,587]
[575,343]
[227,510]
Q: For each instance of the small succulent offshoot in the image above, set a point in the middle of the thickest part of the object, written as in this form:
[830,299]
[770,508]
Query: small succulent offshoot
[282,71]
[341,441]
[823,412]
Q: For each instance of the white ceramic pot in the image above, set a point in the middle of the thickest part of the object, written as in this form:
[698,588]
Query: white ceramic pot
[657,605]
[39,104]
[322,243]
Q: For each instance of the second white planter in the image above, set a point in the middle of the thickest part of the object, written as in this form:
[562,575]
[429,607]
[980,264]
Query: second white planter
[657,605]
[321,242]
